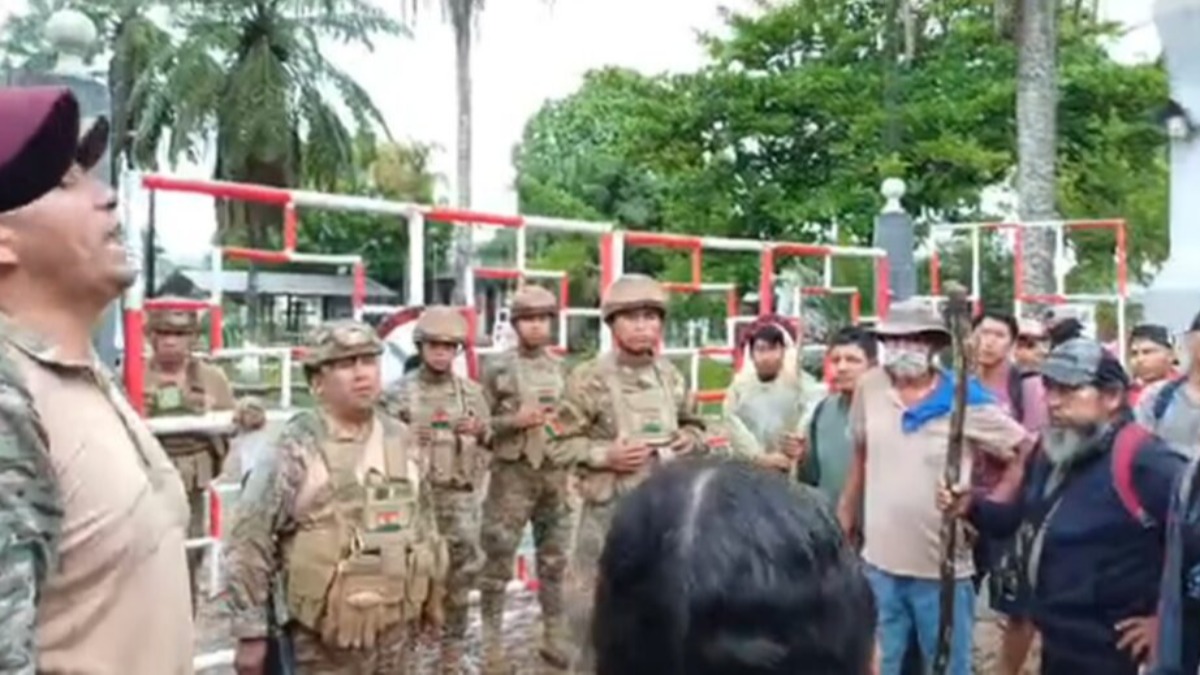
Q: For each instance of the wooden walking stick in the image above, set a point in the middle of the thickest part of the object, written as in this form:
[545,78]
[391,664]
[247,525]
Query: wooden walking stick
[958,321]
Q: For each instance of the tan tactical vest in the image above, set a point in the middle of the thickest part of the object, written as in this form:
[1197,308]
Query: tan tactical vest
[367,557]
[454,460]
[196,456]
[538,382]
[641,413]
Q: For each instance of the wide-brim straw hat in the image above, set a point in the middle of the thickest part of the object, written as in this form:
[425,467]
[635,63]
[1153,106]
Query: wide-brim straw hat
[912,318]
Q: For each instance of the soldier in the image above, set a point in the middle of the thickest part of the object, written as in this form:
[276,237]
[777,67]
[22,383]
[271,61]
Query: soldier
[341,511]
[523,387]
[623,413]
[179,384]
[451,419]
[93,576]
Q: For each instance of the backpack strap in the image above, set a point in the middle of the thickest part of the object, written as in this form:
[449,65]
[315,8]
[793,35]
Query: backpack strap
[1130,439]
[1162,402]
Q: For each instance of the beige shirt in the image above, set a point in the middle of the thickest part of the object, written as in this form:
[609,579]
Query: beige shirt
[119,602]
[901,521]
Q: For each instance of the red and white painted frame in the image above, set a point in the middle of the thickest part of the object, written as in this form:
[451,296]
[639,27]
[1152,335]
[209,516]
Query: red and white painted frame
[1120,296]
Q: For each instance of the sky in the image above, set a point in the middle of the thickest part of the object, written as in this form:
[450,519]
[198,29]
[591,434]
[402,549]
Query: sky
[527,51]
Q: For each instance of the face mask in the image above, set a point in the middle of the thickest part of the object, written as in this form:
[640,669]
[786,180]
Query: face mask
[906,360]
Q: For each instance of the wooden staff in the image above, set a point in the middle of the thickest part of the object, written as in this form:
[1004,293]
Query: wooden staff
[958,321]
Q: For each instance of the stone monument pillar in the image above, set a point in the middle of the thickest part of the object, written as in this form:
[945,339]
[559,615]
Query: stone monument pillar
[894,234]
[1173,299]
[73,35]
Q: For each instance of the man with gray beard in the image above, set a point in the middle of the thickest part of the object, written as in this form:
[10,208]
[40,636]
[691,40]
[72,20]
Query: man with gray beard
[1089,511]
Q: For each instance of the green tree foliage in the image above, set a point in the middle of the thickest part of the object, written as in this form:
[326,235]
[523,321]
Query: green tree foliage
[785,131]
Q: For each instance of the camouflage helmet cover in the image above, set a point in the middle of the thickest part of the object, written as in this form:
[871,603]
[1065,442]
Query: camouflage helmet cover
[172,320]
[533,300]
[633,291]
[441,324]
[343,339]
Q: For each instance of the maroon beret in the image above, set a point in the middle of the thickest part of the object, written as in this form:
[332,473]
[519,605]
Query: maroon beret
[40,140]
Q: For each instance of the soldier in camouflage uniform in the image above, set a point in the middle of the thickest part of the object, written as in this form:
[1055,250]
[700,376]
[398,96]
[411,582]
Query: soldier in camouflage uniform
[340,513]
[179,384]
[450,417]
[524,386]
[623,413]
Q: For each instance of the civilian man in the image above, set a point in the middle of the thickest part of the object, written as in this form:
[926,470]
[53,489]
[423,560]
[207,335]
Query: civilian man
[900,420]
[93,576]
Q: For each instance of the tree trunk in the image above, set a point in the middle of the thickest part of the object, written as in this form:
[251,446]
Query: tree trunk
[1037,136]
[461,258]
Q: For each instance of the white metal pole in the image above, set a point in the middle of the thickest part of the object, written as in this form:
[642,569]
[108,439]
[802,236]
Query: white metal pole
[1059,260]
[1122,336]
[976,266]
[285,380]
[522,254]
[618,269]
[416,258]
[695,367]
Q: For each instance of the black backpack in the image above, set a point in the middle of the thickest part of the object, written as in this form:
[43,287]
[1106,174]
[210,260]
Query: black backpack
[1165,395]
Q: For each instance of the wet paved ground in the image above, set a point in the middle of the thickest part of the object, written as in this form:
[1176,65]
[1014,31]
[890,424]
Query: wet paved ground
[521,620]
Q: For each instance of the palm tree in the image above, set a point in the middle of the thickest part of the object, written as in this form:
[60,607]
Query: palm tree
[1037,135]
[253,72]
[463,16]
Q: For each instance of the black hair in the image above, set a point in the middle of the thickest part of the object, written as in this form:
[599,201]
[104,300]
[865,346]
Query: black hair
[858,337]
[1067,329]
[722,568]
[1005,318]
[770,334]
[1150,332]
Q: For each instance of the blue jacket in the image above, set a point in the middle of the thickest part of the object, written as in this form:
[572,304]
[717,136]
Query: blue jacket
[1098,563]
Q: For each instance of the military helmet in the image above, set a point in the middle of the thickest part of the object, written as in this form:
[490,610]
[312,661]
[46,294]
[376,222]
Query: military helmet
[633,291]
[441,324]
[173,320]
[342,339]
[533,301]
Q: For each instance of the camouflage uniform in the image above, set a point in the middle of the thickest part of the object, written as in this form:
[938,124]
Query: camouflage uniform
[605,399]
[347,519]
[524,487]
[198,457]
[433,404]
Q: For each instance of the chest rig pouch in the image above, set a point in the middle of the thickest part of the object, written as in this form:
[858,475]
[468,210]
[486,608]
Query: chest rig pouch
[539,384]
[367,557]
[197,457]
[455,460]
[643,409]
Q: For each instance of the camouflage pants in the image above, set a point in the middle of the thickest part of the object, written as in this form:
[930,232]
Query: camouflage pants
[458,522]
[391,655]
[594,522]
[519,494]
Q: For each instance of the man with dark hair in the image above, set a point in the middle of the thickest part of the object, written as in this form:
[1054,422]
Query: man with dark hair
[1090,510]
[720,569]
[852,352]
[1151,358]
[1171,407]
[764,412]
[1062,324]
[1032,345]
[93,517]
[1022,395]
